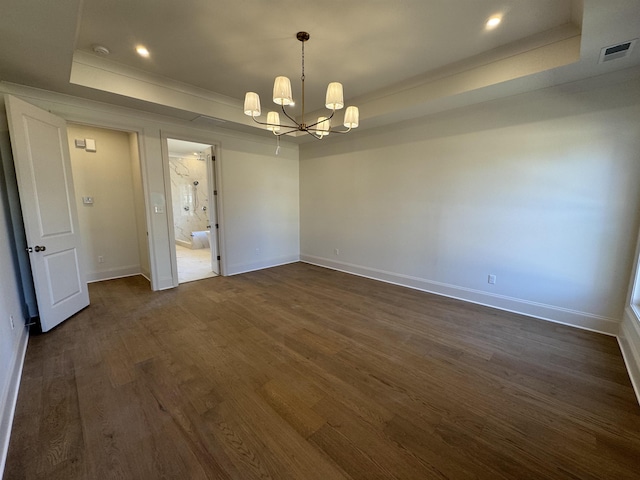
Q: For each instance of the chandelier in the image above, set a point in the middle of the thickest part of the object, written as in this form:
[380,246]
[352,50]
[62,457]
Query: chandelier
[282,96]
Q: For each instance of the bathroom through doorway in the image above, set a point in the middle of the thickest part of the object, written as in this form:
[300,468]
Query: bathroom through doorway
[194,208]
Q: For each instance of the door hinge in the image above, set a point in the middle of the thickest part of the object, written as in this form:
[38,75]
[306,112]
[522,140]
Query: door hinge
[213,158]
[218,257]
[217,226]
[215,192]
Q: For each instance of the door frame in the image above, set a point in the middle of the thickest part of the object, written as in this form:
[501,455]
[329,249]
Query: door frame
[143,181]
[212,170]
[139,132]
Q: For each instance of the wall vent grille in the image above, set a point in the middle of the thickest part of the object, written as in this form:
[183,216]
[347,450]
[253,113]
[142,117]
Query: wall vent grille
[614,52]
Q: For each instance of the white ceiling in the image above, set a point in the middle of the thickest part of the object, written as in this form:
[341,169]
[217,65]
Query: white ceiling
[239,46]
[397,59]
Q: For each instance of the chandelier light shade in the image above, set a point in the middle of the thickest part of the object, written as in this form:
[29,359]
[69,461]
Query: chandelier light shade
[351,117]
[282,91]
[334,100]
[323,126]
[283,97]
[252,104]
[273,122]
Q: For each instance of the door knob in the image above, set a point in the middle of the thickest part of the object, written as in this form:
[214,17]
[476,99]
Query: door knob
[40,248]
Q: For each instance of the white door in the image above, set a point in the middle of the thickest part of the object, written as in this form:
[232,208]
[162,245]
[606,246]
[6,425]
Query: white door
[43,170]
[213,211]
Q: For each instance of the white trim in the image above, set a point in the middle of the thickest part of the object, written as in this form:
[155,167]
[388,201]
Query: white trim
[252,267]
[629,340]
[565,316]
[83,111]
[114,273]
[9,407]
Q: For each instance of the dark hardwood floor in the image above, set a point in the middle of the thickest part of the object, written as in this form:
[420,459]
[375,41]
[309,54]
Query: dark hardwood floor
[299,372]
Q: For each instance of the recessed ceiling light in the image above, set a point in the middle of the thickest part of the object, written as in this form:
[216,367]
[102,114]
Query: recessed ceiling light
[142,51]
[494,21]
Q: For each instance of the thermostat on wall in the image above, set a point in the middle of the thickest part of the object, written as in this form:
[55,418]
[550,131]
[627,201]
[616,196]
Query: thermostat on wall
[90,144]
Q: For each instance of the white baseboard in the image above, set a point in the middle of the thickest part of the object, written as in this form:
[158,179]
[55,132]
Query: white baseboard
[252,267]
[9,403]
[565,316]
[629,340]
[113,273]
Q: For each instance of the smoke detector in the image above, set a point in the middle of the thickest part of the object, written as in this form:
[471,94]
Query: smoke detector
[614,52]
[101,50]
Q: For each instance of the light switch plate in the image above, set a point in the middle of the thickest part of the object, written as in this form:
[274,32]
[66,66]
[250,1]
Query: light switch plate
[87,200]
[90,144]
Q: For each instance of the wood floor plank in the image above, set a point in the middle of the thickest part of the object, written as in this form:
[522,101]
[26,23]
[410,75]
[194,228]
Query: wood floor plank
[300,372]
[60,441]
[282,399]
[355,435]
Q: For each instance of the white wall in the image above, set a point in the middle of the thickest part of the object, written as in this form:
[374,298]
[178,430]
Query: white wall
[541,190]
[108,226]
[259,206]
[13,338]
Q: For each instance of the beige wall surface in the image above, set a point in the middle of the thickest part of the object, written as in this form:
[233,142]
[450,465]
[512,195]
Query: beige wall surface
[108,226]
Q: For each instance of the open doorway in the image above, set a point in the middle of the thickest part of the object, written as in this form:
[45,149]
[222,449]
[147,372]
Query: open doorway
[107,177]
[194,207]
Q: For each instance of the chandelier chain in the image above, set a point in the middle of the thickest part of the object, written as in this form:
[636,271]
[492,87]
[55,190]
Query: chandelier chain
[302,78]
[302,124]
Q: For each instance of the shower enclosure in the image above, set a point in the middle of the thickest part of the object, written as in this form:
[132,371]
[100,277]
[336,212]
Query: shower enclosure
[190,199]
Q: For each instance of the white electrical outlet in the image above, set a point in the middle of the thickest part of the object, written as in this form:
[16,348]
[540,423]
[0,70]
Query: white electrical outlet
[491,279]
[336,251]
[100,259]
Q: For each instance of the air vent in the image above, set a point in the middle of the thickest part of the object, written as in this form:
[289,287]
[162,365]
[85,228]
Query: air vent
[614,52]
